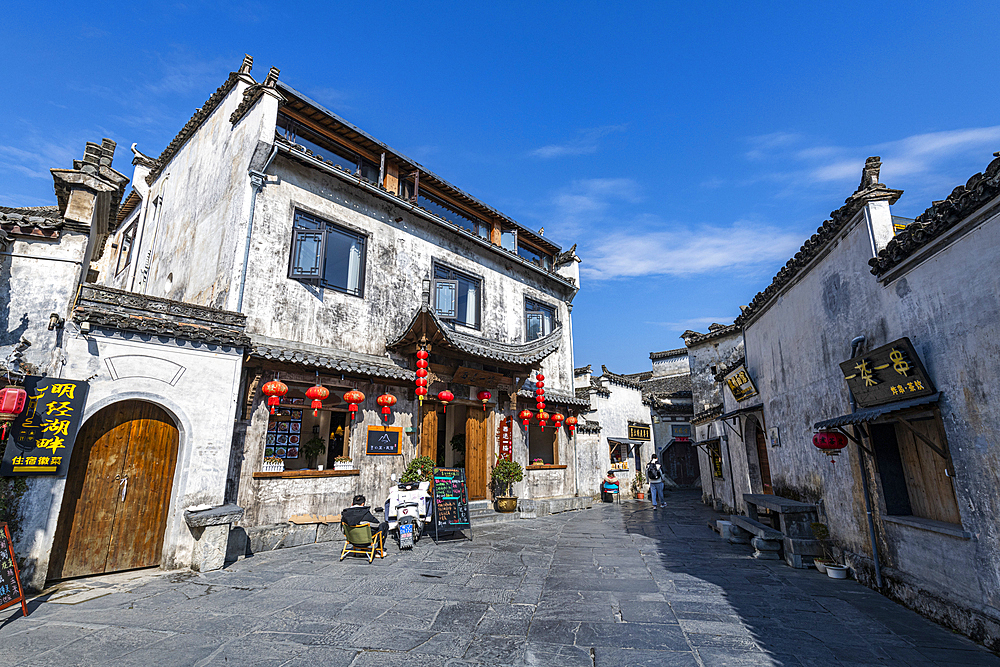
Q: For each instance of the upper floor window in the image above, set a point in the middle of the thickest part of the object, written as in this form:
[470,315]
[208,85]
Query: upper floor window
[534,256]
[328,254]
[442,209]
[328,150]
[125,251]
[539,319]
[456,296]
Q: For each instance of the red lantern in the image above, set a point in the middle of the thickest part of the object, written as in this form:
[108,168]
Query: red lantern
[539,377]
[830,442]
[539,384]
[484,396]
[12,400]
[525,416]
[571,423]
[422,363]
[421,392]
[386,401]
[540,405]
[421,382]
[421,372]
[354,397]
[423,354]
[274,390]
[539,392]
[317,394]
[446,397]
[542,418]
[557,419]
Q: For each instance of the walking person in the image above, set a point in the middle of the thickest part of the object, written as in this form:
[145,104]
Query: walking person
[654,472]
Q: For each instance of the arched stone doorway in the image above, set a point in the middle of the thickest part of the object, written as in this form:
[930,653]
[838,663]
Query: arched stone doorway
[114,509]
[756,444]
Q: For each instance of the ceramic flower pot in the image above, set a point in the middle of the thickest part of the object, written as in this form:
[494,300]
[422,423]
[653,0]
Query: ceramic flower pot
[820,565]
[836,571]
[640,496]
[506,504]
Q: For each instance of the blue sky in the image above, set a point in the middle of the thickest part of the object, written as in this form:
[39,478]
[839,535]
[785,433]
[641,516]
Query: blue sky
[688,148]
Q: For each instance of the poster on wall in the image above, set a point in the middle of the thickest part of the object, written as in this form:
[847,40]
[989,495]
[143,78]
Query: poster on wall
[41,441]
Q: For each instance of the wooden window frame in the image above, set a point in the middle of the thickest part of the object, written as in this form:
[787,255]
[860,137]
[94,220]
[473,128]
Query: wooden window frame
[129,233]
[437,264]
[323,232]
[543,304]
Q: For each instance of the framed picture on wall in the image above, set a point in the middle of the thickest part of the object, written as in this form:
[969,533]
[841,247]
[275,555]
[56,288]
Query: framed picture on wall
[772,437]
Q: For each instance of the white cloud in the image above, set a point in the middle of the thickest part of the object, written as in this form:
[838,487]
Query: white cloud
[587,142]
[686,252]
[696,323]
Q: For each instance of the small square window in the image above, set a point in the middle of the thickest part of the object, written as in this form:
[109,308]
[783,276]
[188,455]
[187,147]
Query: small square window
[539,320]
[328,254]
[456,296]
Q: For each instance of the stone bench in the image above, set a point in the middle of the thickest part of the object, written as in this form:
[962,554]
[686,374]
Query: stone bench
[766,541]
[795,521]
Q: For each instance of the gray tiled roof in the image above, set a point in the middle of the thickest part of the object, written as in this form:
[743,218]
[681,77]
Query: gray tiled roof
[681,351]
[672,385]
[314,356]
[559,398]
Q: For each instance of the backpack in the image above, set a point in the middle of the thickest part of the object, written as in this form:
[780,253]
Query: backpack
[653,472]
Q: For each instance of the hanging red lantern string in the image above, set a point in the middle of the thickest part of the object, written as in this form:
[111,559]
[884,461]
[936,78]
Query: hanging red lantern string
[274,390]
[542,418]
[557,420]
[318,394]
[386,400]
[421,381]
[525,416]
[446,397]
[354,397]
[12,400]
[571,423]
[830,442]
[484,396]
[540,392]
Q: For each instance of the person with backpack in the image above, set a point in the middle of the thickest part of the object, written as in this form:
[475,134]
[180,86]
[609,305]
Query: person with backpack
[654,473]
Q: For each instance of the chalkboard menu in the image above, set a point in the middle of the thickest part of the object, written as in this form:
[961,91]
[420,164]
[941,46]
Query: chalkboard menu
[384,440]
[41,440]
[451,500]
[10,584]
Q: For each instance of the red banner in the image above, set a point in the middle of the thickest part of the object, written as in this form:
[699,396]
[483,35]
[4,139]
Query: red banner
[505,436]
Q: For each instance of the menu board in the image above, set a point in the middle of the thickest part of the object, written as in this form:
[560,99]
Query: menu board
[451,499]
[284,433]
[41,440]
[10,584]
[383,440]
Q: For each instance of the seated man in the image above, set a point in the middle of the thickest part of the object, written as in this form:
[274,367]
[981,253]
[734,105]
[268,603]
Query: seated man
[609,486]
[359,513]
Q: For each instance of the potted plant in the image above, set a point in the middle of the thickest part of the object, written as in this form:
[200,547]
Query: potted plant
[273,464]
[639,484]
[312,448]
[822,533]
[342,463]
[420,469]
[537,462]
[504,475]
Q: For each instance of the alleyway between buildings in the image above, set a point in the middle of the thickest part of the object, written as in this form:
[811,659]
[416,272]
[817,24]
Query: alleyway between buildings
[615,585]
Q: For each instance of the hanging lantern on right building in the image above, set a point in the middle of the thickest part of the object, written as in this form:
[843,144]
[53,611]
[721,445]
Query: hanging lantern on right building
[830,442]
[354,397]
[12,400]
[274,390]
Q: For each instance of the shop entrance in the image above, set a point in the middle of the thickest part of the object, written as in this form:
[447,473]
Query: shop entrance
[114,509]
[754,438]
[459,438]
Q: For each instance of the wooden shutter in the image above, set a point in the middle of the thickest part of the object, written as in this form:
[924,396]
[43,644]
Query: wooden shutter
[308,253]
[477,448]
[428,432]
[444,295]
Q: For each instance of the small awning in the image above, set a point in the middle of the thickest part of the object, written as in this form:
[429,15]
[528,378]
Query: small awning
[871,414]
[740,411]
[631,444]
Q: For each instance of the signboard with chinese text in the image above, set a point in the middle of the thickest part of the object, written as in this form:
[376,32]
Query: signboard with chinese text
[383,440]
[716,456]
[638,432]
[740,384]
[451,499]
[681,432]
[505,438]
[42,438]
[887,374]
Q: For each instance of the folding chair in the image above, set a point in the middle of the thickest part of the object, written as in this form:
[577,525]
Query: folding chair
[614,492]
[360,540]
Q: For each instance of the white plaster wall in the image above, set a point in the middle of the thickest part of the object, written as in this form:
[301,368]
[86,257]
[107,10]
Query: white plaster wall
[677,365]
[202,402]
[947,306]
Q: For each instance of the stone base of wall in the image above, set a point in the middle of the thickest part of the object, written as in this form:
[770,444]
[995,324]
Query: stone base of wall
[534,508]
[975,623]
[255,539]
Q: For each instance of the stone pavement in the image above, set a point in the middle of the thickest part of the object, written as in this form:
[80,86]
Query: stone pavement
[615,585]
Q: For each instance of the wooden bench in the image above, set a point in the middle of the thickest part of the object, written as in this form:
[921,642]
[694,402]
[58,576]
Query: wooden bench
[766,541]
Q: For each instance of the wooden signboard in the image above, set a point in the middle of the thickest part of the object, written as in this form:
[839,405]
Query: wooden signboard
[740,384]
[10,582]
[451,500]
[505,436]
[887,374]
[638,432]
[384,441]
[41,440]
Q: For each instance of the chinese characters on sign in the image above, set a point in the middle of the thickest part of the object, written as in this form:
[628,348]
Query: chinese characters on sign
[505,438]
[890,373]
[716,456]
[638,432]
[740,384]
[43,435]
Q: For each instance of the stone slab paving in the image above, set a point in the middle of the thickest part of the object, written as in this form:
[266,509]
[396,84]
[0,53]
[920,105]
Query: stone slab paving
[614,585]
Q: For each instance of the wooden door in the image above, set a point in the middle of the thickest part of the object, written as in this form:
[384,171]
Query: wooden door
[765,467]
[114,509]
[428,432]
[477,451]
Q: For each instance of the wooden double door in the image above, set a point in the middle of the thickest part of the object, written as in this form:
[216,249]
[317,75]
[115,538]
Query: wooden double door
[478,443]
[114,509]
